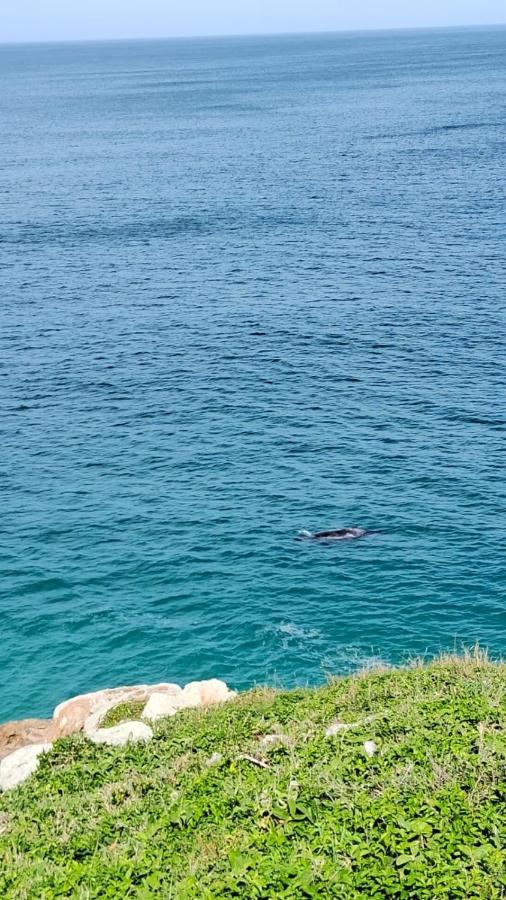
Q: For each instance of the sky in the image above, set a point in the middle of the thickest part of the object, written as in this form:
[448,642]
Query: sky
[47,20]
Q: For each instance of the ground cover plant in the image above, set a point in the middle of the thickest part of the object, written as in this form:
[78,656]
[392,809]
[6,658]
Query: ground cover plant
[253,799]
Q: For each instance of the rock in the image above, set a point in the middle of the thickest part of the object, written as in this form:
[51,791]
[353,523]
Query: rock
[86,711]
[370,748]
[72,715]
[204,693]
[141,694]
[159,706]
[14,735]
[18,766]
[214,759]
[120,735]
[170,690]
[271,740]
[336,727]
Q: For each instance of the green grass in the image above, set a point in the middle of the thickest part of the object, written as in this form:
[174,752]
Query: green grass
[424,818]
[125,712]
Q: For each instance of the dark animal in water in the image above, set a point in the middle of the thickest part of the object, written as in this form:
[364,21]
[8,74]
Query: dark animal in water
[335,534]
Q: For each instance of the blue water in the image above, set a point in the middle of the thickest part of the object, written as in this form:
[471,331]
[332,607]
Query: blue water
[249,286]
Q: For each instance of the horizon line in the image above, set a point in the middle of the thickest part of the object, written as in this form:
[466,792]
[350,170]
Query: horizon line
[252,34]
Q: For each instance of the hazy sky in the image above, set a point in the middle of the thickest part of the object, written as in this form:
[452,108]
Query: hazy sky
[39,20]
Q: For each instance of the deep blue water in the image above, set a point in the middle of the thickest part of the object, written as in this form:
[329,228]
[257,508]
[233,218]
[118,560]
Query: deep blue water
[249,286]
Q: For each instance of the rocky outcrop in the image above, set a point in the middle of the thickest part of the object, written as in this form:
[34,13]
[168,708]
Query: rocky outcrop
[14,735]
[203,693]
[83,713]
[160,706]
[21,743]
[119,735]
[18,766]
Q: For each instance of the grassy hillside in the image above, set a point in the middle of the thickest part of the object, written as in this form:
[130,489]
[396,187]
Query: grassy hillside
[208,809]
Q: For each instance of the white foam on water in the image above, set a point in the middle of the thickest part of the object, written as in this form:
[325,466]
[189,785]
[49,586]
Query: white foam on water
[290,629]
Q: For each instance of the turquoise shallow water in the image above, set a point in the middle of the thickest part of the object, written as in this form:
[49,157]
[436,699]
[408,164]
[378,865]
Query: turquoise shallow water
[249,286]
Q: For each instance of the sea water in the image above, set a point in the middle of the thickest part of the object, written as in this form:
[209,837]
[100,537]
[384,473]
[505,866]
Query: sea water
[249,286]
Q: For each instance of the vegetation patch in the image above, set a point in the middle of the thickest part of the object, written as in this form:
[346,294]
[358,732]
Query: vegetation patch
[124,712]
[254,799]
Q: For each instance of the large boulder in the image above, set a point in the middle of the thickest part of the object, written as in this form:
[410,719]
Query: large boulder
[71,715]
[120,735]
[18,766]
[204,693]
[14,735]
[141,694]
[159,706]
[196,693]
[86,711]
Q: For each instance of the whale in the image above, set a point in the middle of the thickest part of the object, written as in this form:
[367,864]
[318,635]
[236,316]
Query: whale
[335,534]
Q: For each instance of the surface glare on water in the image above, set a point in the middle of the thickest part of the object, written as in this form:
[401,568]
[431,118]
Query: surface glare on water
[249,287]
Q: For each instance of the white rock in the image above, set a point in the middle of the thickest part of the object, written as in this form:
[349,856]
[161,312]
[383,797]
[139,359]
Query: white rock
[85,711]
[118,696]
[159,706]
[336,727]
[18,766]
[370,748]
[214,759]
[270,740]
[125,733]
[202,693]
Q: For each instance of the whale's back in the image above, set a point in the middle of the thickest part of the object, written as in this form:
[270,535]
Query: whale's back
[333,534]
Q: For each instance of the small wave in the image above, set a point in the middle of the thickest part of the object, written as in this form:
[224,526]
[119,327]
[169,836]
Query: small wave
[437,129]
[343,660]
[290,629]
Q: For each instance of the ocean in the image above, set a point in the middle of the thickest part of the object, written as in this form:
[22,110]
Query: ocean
[249,286]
